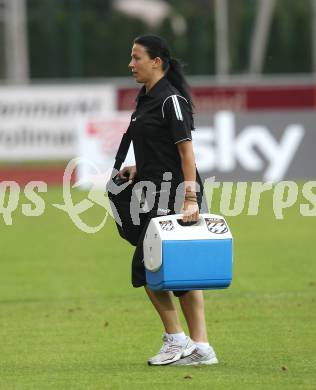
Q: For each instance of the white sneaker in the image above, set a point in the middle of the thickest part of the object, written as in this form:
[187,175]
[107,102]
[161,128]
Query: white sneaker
[172,351]
[198,357]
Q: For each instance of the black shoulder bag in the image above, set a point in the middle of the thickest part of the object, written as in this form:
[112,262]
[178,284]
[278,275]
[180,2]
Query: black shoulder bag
[120,194]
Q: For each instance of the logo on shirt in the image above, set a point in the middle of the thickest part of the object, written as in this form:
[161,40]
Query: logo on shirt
[163,211]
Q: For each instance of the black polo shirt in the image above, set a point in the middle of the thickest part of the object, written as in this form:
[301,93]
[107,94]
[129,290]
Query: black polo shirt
[162,119]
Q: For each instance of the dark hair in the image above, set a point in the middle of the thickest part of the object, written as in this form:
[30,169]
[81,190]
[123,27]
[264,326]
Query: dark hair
[158,47]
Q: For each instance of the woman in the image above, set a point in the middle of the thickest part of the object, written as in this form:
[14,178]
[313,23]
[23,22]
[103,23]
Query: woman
[160,129]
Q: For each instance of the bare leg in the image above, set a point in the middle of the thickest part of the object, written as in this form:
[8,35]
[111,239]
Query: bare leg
[192,305]
[163,303]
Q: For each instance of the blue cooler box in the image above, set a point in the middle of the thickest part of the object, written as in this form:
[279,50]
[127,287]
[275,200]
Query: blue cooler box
[196,257]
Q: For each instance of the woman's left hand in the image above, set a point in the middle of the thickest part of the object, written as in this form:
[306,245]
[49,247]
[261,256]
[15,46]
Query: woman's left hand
[190,210]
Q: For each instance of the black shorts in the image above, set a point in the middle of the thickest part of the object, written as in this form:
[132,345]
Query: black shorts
[138,268]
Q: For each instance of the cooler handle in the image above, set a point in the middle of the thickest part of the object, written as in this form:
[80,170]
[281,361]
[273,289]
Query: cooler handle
[190,223]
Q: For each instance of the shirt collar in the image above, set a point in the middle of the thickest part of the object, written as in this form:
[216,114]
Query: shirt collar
[155,90]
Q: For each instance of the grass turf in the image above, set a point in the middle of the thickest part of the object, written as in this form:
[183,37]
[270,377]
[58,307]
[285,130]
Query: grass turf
[71,320]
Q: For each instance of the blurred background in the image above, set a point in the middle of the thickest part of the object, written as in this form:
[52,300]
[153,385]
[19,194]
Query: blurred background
[67,306]
[65,85]
[62,39]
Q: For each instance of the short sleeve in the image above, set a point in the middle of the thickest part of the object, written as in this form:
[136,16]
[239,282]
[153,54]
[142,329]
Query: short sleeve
[177,112]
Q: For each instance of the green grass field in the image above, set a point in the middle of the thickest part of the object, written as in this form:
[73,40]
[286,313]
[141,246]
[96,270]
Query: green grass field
[71,320]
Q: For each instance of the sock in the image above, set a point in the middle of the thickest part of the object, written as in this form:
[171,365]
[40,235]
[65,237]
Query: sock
[203,346]
[177,336]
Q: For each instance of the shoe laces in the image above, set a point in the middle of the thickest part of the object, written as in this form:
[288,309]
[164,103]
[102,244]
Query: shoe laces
[169,345]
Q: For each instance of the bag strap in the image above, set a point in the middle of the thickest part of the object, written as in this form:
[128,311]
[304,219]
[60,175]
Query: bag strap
[122,151]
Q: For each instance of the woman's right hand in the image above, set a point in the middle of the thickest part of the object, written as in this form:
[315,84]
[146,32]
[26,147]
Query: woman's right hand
[128,173]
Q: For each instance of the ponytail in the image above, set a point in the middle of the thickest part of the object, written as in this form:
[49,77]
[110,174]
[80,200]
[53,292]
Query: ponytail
[176,78]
